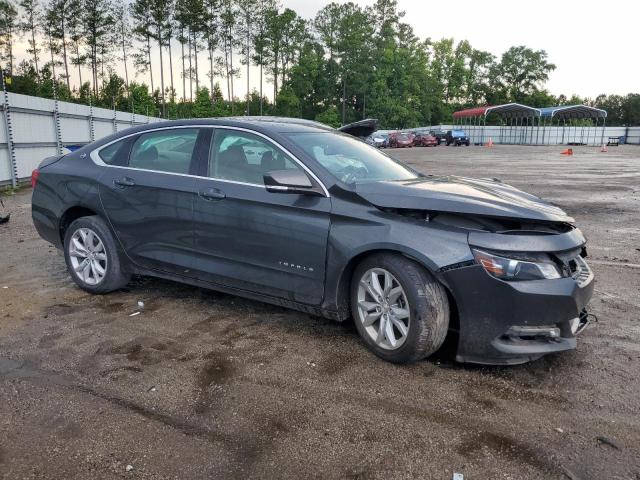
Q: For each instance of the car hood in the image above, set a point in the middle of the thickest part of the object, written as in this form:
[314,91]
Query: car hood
[461,195]
[361,128]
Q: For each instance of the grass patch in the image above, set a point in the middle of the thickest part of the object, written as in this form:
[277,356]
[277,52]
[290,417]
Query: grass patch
[8,190]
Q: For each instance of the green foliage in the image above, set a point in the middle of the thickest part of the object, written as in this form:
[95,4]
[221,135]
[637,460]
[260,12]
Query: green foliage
[202,107]
[622,110]
[287,103]
[329,117]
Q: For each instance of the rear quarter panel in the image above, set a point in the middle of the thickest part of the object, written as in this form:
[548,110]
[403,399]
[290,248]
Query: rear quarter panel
[62,185]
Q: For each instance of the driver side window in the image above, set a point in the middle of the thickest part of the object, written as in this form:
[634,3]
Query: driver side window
[243,157]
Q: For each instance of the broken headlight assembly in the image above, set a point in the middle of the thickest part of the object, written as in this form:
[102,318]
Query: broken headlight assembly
[513,266]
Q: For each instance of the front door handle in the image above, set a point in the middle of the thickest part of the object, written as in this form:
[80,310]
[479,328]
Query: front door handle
[212,194]
[125,182]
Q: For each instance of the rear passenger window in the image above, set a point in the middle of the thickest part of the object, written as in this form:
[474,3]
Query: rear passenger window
[109,155]
[164,150]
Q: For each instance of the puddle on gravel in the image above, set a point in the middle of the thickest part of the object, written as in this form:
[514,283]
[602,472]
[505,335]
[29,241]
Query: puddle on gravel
[505,446]
[217,370]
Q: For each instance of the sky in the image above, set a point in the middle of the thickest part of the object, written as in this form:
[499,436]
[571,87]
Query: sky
[594,44]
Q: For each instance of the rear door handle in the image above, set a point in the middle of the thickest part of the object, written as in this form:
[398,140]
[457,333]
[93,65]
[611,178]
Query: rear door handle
[125,182]
[212,194]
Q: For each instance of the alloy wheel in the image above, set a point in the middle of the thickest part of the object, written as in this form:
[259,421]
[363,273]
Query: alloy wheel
[88,256]
[383,308]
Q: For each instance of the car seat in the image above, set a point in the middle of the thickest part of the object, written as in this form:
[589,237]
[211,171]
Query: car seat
[233,164]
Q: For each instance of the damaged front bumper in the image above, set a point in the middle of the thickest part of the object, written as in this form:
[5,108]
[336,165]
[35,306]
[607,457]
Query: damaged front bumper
[510,322]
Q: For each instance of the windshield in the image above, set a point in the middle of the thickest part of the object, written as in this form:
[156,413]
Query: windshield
[349,159]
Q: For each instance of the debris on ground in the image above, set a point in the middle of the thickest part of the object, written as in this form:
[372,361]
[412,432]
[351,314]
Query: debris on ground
[4,218]
[458,476]
[151,389]
[140,305]
[569,474]
[134,314]
[559,430]
[129,468]
[608,441]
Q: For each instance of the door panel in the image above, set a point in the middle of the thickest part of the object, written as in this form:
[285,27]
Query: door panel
[248,238]
[150,202]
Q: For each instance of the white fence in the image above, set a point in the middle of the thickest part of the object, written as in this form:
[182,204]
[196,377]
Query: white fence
[32,128]
[35,128]
[534,135]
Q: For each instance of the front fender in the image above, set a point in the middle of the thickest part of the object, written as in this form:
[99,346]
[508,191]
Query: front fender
[349,241]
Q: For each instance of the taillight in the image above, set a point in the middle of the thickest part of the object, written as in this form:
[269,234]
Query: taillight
[34,177]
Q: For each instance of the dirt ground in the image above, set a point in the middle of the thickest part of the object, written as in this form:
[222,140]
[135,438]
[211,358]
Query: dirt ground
[207,385]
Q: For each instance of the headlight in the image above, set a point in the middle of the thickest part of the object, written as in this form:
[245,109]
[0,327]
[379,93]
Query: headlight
[517,266]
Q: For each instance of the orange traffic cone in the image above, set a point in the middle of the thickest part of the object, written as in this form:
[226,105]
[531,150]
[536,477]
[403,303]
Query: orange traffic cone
[604,148]
[490,143]
[568,151]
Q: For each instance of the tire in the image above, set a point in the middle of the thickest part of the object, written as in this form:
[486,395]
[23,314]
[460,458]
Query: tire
[423,297]
[107,257]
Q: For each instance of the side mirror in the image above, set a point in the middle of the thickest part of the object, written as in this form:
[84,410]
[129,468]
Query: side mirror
[289,181]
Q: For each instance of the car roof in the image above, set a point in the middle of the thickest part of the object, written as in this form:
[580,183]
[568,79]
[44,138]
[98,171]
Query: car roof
[280,124]
[265,123]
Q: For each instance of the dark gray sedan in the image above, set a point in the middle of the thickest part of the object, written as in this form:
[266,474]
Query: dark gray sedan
[297,214]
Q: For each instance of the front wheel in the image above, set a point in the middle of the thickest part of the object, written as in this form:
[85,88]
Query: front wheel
[92,257]
[399,309]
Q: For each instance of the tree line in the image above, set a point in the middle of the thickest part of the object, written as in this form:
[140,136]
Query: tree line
[347,63]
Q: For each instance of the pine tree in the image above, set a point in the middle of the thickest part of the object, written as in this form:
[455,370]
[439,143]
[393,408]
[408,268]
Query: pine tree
[56,17]
[123,32]
[141,17]
[98,27]
[76,35]
[260,43]
[159,28]
[211,36]
[30,22]
[8,26]
[246,38]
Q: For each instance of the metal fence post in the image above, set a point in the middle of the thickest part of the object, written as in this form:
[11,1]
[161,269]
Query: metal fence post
[115,122]
[56,125]
[92,130]
[9,132]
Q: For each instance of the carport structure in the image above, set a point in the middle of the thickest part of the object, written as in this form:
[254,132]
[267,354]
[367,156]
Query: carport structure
[519,124]
[577,122]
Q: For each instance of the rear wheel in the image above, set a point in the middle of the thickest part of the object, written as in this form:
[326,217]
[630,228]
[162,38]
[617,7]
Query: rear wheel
[399,309]
[92,257]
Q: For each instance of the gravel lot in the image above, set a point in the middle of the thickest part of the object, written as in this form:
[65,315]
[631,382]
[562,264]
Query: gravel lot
[207,385]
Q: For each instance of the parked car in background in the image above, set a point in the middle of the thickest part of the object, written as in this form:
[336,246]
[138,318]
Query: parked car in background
[297,214]
[378,140]
[440,135]
[401,140]
[425,140]
[457,138]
